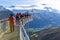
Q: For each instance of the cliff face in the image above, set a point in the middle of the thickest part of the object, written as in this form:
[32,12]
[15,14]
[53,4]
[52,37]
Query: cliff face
[46,34]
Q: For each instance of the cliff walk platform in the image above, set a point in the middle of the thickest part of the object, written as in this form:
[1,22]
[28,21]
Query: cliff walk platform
[18,34]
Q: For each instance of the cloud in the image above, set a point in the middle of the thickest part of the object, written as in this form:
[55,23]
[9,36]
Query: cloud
[49,3]
[18,8]
[27,7]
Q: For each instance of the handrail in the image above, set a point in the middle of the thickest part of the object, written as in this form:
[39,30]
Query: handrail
[22,29]
[4,25]
[4,19]
[25,33]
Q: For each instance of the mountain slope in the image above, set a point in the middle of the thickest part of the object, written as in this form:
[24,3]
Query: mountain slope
[4,13]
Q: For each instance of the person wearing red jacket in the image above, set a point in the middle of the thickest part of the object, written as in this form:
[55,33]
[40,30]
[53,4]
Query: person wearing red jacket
[12,22]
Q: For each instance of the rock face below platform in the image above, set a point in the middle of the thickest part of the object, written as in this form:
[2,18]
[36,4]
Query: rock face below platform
[47,34]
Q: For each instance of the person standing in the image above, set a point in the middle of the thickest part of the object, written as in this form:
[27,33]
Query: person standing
[18,25]
[21,15]
[12,23]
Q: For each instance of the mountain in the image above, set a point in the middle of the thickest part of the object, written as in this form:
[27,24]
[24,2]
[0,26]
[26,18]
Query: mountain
[17,11]
[44,19]
[4,13]
[11,6]
[2,8]
[46,34]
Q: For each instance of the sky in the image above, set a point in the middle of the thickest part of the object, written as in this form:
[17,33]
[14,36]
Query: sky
[50,3]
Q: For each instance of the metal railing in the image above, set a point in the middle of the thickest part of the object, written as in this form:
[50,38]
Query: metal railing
[4,25]
[26,35]
[23,33]
[5,29]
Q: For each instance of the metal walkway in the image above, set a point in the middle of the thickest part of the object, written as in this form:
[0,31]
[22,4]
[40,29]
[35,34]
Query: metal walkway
[18,34]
